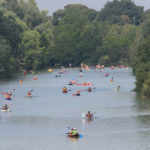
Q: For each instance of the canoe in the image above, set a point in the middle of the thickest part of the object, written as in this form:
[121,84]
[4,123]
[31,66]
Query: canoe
[74,135]
[5,110]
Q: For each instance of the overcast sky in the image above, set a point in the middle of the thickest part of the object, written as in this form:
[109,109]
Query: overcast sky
[53,5]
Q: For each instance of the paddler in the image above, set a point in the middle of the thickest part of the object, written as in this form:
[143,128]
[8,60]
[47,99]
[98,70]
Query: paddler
[118,87]
[111,80]
[65,90]
[78,93]
[89,114]
[74,131]
[29,94]
[35,78]
[89,89]
[5,107]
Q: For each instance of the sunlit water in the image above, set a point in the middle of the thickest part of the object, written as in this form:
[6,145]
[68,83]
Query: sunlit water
[122,122]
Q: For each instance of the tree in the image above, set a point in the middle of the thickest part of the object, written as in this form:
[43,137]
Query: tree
[114,10]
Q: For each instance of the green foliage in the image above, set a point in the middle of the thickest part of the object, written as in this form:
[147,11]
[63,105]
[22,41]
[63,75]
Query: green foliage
[6,64]
[26,35]
[30,47]
[114,10]
[146,86]
[117,43]
[104,60]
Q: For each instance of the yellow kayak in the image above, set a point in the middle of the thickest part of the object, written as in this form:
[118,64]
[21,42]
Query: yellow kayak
[50,70]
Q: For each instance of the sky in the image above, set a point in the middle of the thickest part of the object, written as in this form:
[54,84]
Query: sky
[53,5]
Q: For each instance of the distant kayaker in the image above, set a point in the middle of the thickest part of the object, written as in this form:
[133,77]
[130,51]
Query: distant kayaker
[111,80]
[5,107]
[89,114]
[9,92]
[80,74]
[118,87]
[29,93]
[35,78]
[65,90]
[89,89]
[78,93]
[106,75]
[73,131]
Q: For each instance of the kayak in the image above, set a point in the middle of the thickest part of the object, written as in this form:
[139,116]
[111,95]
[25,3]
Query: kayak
[29,95]
[65,91]
[74,135]
[70,84]
[57,76]
[88,84]
[50,70]
[8,98]
[5,110]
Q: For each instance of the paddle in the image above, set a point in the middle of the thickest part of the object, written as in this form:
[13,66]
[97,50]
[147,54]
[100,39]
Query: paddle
[13,90]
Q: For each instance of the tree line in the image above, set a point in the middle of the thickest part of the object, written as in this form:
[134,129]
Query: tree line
[30,39]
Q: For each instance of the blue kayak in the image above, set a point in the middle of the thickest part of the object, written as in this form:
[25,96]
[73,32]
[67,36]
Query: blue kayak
[8,98]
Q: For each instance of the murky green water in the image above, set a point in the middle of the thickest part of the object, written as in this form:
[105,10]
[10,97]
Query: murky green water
[39,123]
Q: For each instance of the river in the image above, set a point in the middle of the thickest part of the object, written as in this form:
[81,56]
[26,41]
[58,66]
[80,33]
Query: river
[122,120]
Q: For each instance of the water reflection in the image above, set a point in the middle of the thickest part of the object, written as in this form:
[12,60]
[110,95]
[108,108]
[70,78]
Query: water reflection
[142,104]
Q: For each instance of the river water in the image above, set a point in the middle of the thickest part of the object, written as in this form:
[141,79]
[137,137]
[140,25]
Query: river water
[122,121]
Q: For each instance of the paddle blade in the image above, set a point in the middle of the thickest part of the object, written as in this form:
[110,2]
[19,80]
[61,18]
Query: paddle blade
[81,136]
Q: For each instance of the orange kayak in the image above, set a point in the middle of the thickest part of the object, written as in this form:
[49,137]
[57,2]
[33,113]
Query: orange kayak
[74,135]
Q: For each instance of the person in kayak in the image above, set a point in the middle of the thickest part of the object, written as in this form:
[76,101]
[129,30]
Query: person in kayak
[111,80]
[89,114]
[78,93]
[106,75]
[35,78]
[5,107]
[8,93]
[65,90]
[29,93]
[74,131]
[118,87]
[89,89]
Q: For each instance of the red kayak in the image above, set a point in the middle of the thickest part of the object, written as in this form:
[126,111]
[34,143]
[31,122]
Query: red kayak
[86,84]
[65,91]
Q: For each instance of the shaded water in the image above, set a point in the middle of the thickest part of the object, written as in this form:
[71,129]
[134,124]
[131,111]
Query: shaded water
[122,122]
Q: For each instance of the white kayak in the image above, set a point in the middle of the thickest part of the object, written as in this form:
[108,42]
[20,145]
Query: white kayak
[5,110]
